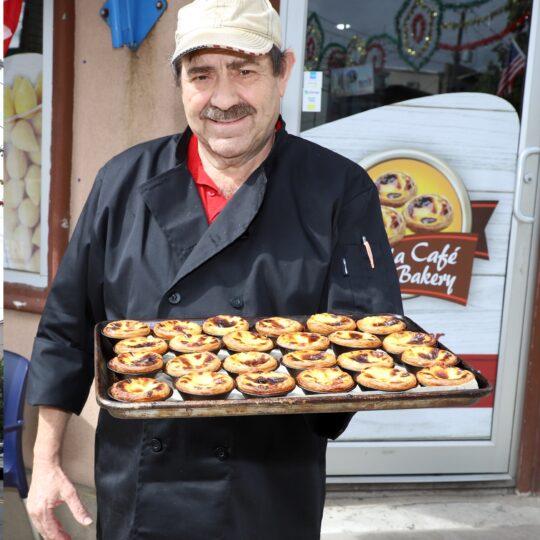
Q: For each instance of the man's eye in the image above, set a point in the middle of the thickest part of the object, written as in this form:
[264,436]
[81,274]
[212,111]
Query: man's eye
[245,71]
[201,77]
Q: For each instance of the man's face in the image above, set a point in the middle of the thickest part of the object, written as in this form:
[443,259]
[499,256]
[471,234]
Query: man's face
[231,100]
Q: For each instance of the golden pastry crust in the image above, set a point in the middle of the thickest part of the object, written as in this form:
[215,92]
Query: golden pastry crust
[141,344]
[394,224]
[389,379]
[172,327]
[355,339]
[197,343]
[275,326]
[133,363]
[126,328]
[326,323]
[140,389]
[198,361]
[246,362]
[220,325]
[395,188]
[245,341]
[424,356]
[381,324]
[397,342]
[439,375]
[428,213]
[265,384]
[325,380]
[299,360]
[298,341]
[204,384]
[362,359]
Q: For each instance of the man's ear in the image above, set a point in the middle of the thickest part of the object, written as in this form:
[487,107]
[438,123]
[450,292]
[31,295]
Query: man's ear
[289,60]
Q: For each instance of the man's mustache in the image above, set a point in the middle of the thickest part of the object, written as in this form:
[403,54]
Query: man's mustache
[232,113]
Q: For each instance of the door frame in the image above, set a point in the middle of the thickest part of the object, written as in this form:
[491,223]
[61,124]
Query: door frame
[473,460]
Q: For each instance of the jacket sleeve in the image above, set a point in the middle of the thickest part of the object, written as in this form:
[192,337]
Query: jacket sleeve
[61,367]
[353,286]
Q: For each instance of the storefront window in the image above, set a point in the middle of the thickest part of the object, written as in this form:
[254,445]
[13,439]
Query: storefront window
[37,150]
[378,52]
[26,141]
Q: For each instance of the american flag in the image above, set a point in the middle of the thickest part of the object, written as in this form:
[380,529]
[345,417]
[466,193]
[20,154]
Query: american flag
[515,64]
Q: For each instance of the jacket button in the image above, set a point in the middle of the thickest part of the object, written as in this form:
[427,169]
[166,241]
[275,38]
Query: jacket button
[175,298]
[237,302]
[156,445]
[222,453]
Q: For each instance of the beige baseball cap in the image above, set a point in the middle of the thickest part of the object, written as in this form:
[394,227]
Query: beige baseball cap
[249,26]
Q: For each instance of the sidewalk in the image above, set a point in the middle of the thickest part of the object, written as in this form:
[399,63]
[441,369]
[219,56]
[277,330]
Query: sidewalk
[489,514]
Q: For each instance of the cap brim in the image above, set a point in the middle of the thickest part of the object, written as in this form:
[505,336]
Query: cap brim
[223,38]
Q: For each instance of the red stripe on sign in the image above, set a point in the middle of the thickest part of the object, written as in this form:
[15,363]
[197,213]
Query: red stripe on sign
[487,365]
[426,292]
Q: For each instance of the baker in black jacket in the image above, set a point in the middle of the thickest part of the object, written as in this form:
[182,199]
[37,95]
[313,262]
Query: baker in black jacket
[288,241]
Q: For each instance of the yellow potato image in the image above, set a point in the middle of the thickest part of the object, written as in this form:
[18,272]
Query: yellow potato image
[11,220]
[32,182]
[16,163]
[35,157]
[36,236]
[13,193]
[24,95]
[28,213]
[39,88]
[9,108]
[36,122]
[20,246]
[23,136]
[34,263]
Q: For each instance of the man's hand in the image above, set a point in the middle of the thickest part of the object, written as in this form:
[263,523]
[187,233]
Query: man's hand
[50,486]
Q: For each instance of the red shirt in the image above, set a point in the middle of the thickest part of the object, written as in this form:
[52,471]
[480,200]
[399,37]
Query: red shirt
[213,201]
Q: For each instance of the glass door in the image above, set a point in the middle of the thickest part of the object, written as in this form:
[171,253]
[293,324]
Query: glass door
[439,93]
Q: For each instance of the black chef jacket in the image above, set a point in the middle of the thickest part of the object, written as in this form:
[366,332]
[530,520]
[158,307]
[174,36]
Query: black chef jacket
[288,242]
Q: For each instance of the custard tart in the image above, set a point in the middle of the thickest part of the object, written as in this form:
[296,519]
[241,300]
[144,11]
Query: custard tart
[204,385]
[140,389]
[298,341]
[126,329]
[345,340]
[141,344]
[428,213]
[388,379]
[173,327]
[198,361]
[296,361]
[358,360]
[245,362]
[424,356]
[326,323]
[438,375]
[381,324]
[130,364]
[394,224]
[324,380]
[265,384]
[185,343]
[275,326]
[395,188]
[397,342]
[245,341]
[219,325]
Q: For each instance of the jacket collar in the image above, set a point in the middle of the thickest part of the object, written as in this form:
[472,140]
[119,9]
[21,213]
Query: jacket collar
[173,200]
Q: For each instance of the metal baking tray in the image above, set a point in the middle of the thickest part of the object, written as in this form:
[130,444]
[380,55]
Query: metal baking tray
[294,403]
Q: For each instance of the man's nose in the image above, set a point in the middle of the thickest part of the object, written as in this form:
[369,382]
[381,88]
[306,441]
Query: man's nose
[224,94]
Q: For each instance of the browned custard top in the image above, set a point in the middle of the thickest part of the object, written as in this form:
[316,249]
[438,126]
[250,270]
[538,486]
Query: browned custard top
[139,359]
[143,386]
[303,340]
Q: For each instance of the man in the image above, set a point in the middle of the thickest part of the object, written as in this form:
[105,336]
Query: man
[232,216]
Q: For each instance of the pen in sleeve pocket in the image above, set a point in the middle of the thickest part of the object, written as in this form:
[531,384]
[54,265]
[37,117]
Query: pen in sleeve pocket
[368,251]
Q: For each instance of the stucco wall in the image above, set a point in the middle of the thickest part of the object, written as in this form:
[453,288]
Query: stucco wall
[121,98]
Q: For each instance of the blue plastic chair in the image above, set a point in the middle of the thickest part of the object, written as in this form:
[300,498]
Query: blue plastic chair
[15,373]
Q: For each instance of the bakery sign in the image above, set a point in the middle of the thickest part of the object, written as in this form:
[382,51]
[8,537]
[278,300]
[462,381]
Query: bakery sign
[434,230]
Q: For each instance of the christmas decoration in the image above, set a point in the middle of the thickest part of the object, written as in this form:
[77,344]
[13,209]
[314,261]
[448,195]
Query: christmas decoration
[314,43]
